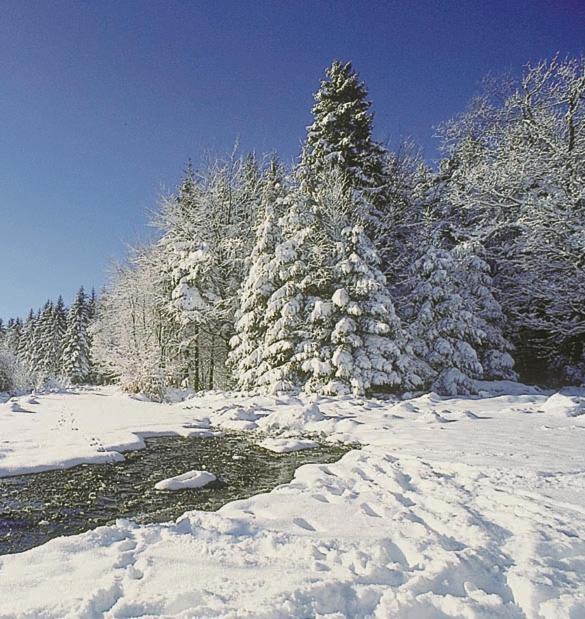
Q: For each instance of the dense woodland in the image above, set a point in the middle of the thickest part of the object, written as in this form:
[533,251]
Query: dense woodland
[357,270]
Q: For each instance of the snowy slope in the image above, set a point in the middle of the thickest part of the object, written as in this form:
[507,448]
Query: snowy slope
[452,508]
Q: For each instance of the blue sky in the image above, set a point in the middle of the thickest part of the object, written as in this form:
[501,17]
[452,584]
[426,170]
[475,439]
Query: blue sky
[102,103]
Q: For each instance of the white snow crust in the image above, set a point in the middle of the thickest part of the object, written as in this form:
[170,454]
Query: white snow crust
[476,511]
[190,479]
[284,445]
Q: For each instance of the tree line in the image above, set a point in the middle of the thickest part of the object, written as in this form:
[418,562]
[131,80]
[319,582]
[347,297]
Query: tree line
[360,269]
[52,343]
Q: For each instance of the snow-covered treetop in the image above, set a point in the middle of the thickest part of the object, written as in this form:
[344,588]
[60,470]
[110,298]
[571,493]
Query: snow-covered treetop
[341,133]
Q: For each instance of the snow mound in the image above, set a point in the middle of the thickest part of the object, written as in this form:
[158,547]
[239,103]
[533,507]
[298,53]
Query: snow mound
[15,407]
[569,402]
[433,417]
[292,419]
[190,479]
[236,418]
[285,445]
[487,388]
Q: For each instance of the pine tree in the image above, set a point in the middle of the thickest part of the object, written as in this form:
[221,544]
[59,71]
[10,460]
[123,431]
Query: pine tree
[245,358]
[371,347]
[279,370]
[59,328]
[341,136]
[26,342]
[446,329]
[494,348]
[356,341]
[76,352]
[42,359]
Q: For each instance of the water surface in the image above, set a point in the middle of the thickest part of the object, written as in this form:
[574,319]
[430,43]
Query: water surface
[39,506]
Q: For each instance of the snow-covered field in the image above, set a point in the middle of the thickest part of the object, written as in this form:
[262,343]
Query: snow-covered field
[452,508]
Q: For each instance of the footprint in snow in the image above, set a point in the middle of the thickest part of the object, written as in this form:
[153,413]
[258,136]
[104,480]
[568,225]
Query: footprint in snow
[369,511]
[301,522]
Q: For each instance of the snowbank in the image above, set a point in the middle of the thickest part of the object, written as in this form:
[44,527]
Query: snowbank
[477,511]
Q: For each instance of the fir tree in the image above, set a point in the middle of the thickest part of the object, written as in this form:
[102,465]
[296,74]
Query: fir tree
[279,370]
[58,330]
[27,342]
[445,326]
[245,358]
[355,339]
[371,347]
[42,359]
[494,348]
[341,136]
[76,352]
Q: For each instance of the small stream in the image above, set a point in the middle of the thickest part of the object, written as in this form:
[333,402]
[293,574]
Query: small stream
[37,507]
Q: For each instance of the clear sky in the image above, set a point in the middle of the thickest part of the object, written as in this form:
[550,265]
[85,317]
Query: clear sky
[102,103]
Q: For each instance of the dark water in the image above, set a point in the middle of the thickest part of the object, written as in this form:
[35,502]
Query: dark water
[37,507]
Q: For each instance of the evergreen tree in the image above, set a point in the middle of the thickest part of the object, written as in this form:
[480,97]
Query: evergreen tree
[445,326]
[355,340]
[13,334]
[330,325]
[494,348]
[76,352]
[371,347]
[27,343]
[284,331]
[245,358]
[341,136]
[58,330]
[43,362]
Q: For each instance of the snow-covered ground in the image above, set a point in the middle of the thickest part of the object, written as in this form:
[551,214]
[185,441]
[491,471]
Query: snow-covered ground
[452,508]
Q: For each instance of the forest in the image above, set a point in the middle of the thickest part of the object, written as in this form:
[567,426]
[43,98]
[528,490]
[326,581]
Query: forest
[359,269]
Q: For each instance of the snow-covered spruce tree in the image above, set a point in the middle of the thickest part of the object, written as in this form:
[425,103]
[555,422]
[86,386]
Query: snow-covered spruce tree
[42,360]
[318,284]
[245,358]
[341,136]
[13,333]
[58,328]
[355,341]
[76,352]
[445,327]
[27,342]
[476,281]
[318,337]
[284,328]
[372,351]
[49,338]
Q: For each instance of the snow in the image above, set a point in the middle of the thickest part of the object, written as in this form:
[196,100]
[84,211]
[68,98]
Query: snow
[190,479]
[476,511]
[285,445]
